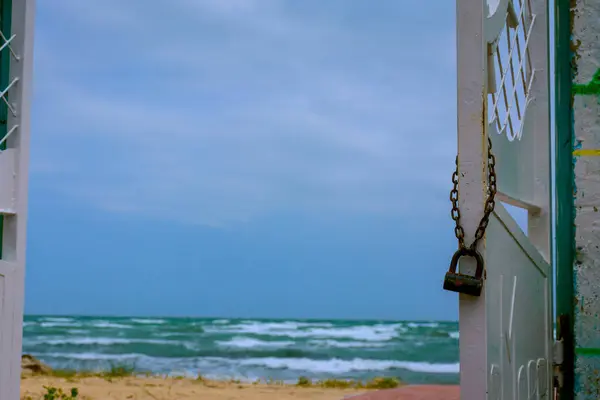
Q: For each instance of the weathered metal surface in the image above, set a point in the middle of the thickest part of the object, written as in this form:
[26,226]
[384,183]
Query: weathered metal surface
[585,47]
[519,322]
[564,234]
[503,95]
[461,283]
[16,69]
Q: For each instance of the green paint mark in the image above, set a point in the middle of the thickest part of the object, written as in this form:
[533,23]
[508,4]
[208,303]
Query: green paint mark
[587,351]
[590,88]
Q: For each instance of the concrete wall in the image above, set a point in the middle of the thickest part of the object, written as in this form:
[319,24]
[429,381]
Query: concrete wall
[585,68]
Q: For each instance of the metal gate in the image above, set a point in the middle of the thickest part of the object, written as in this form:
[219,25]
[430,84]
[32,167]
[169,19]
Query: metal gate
[503,92]
[16,54]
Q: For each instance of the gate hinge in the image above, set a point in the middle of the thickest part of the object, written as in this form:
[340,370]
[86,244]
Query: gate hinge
[562,360]
[558,352]
[557,362]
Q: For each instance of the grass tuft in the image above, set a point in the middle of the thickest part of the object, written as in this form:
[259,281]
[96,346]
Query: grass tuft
[375,383]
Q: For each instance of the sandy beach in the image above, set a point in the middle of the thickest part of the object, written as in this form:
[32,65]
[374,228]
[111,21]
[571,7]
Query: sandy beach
[39,380]
[153,388]
[140,388]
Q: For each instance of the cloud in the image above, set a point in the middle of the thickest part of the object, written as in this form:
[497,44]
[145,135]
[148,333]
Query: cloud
[215,112]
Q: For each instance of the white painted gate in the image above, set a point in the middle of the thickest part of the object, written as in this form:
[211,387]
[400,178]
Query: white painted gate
[503,91]
[16,55]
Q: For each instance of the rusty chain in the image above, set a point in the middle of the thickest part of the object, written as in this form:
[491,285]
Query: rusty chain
[490,202]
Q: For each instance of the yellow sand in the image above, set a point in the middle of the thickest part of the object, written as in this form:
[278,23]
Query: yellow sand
[174,389]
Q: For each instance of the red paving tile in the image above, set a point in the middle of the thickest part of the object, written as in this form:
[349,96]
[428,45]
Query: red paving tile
[420,392]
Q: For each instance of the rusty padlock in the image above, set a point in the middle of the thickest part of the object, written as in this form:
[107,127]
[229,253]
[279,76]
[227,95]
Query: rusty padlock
[462,283]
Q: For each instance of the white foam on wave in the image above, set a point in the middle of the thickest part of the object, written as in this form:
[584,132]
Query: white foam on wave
[100,341]
[221,322]
[92,356]
[337,366]
[57,319]
[60,324]
[345,344]
[106,324]
[301,365]
[414,325]
[227,366]
[454,335]
[429,368]
[148,321]
[249,343]
[258,328]
[282,326]
[78,331]
[85,341]
[376,333]
[308,330]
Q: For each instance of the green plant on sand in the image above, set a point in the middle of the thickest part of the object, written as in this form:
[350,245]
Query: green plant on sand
[382,383]
[119,371]
[53,393]
[304,381]
[375,383]
[115,371]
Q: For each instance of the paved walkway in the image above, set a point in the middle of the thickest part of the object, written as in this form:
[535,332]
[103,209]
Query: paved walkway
[420,392]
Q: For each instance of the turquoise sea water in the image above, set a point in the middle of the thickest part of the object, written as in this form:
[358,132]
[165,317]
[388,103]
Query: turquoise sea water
[413,351]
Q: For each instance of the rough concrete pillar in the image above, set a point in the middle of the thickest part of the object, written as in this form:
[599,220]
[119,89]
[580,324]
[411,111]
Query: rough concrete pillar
[585,91]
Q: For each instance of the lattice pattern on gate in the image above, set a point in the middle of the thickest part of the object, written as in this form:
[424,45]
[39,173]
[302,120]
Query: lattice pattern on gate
[6,52]
[16,55]
[510,74]
[6,81]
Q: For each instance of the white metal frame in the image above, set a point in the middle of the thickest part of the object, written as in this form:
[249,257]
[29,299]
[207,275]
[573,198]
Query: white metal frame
[14,163]
[485,326]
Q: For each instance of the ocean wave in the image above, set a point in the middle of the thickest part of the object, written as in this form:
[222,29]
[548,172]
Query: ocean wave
[292,330]
[78,331]
[299,365]
[337,366]
[92,356]
[281,326]
[345,344]
[60,324]
[249,343]
[57,319]
[376,333]
[106,324]
[282,349]
[414,325]
[148,321]
[97,341]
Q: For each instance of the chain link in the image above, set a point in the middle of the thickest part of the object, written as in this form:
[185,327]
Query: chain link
[490,202]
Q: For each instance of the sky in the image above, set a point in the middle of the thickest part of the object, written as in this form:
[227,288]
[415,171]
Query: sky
[242,158]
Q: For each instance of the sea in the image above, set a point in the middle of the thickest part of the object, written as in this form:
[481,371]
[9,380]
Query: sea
[249,349]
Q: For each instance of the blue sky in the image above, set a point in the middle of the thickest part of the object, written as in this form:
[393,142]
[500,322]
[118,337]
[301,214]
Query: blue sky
[243,158]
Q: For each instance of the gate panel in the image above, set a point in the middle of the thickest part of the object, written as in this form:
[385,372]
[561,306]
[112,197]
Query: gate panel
[518,324]
[16,56]
[503,84]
